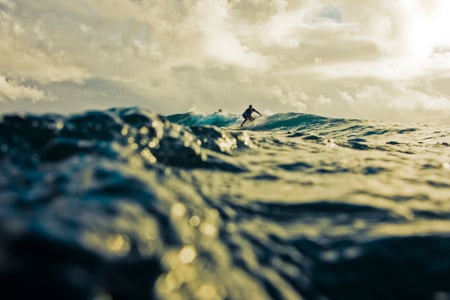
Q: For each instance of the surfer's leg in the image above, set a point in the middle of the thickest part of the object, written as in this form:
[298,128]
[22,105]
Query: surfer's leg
[242,124]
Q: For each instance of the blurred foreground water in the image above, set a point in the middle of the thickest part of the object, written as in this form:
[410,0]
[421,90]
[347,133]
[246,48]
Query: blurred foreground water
[126,204]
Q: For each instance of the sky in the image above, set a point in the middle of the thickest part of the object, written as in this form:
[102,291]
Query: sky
[369,59]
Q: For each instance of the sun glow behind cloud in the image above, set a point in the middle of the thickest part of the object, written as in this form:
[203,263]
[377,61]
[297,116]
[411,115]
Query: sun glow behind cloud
[426,26]
[169,56]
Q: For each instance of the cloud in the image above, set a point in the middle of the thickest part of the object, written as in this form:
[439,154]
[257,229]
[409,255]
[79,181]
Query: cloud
[412,28]
[376,59]
[212,20]
[13,91]
[29,51]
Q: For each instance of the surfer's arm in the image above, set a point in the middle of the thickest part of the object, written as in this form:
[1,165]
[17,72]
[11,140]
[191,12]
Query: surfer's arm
[257,112]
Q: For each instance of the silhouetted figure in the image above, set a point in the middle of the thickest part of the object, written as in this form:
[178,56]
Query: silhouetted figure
[247,115]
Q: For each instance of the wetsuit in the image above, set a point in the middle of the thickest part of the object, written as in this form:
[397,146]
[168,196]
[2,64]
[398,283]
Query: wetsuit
[248,113]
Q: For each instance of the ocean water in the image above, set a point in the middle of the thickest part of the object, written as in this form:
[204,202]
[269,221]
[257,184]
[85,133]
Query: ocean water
[127,204]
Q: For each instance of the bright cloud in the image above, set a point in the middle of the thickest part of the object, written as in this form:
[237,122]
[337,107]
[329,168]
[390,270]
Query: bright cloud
[13,91]
[219,40]
[377,59]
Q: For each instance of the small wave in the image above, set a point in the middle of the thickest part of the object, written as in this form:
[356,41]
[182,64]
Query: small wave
[279,121]
[216,119]
[289,121]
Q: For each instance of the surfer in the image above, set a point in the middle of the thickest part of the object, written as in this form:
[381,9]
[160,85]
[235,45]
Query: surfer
[247,115]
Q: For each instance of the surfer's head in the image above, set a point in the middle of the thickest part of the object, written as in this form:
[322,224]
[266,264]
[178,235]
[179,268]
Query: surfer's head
[250,106]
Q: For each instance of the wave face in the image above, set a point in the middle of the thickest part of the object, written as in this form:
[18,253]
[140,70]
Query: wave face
[128,204]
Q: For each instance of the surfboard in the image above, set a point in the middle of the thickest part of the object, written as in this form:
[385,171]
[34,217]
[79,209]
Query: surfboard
[235,128]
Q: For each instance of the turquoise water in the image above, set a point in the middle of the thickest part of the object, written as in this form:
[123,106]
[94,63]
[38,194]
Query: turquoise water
[126,204]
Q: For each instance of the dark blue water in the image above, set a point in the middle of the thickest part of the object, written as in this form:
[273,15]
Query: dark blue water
[126,204]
